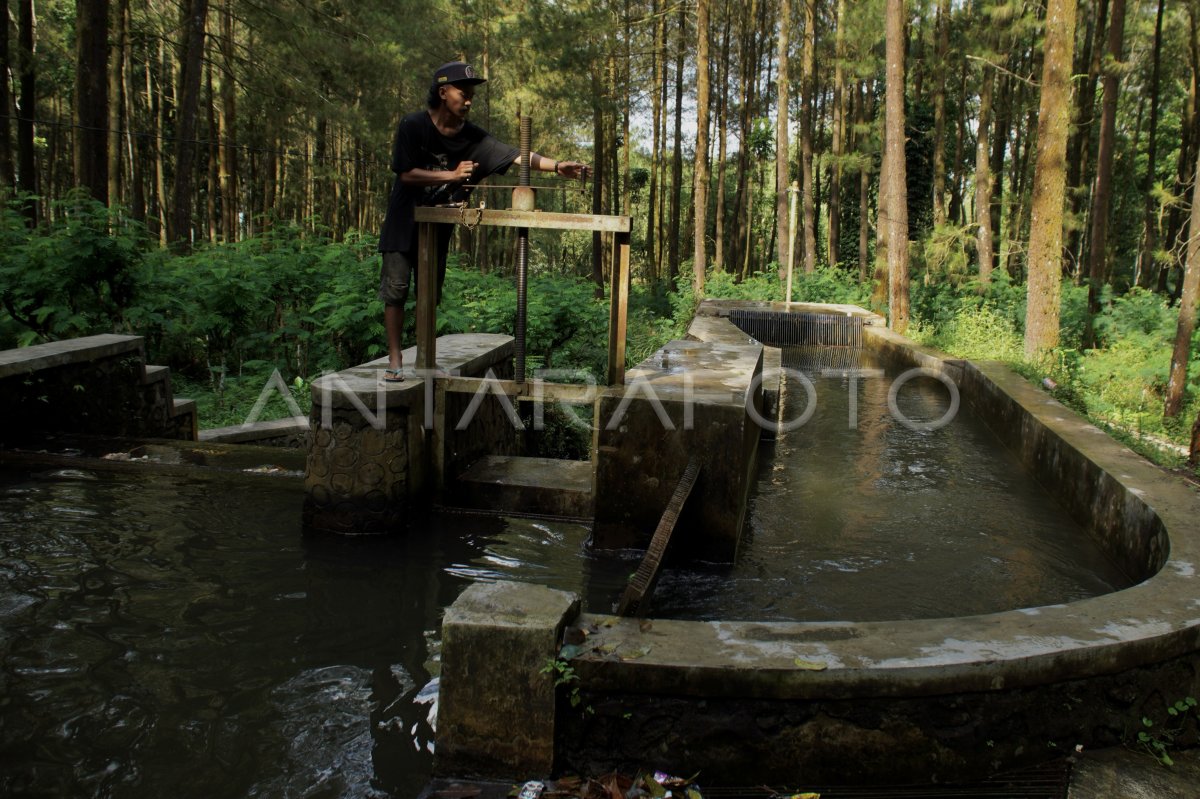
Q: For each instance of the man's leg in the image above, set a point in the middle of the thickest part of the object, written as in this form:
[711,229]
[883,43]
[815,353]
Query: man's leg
[393,324]
[393,291]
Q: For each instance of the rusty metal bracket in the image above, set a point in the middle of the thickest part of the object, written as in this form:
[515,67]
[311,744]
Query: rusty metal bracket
[642,584]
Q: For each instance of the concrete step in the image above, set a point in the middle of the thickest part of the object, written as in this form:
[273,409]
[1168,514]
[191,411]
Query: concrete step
[155,374]
[188,416]
[543,486]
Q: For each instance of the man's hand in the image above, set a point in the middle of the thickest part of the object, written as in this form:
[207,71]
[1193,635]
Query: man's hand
[463,172]
[573,169]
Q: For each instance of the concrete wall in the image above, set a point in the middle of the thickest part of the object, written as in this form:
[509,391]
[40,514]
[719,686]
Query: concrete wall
[686,401]
[371,459]
[97,385]
[939,699]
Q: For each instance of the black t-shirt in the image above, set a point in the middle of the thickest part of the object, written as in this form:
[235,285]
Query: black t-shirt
[420,145]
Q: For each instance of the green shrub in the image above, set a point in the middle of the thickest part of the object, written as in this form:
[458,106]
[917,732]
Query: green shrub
[75,277]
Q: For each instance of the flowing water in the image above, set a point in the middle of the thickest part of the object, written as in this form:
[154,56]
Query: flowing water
[168,636]
[858,516]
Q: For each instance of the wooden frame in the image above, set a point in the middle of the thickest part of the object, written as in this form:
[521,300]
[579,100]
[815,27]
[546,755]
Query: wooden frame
[619,226]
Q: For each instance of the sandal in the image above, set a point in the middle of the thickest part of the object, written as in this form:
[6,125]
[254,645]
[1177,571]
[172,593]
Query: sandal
[393,375]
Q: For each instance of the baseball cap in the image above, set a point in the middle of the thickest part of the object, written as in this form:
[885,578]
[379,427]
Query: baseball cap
[456,72]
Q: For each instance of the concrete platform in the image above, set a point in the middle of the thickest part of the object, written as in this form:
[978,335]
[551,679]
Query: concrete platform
[689,397]
[542,486]
[1118,773]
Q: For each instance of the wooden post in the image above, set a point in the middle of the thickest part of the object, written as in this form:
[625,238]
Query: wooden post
[427,296]
[618,309]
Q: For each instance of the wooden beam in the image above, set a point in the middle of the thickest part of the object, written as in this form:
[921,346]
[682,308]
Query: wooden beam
[544,220]
[426,296]
[529,391]
[618,309]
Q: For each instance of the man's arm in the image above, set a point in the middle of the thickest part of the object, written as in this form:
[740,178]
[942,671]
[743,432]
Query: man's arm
[436,177]
[568,169]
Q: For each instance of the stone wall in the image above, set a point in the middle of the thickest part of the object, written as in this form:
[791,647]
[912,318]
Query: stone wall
[378,449]
[96,385]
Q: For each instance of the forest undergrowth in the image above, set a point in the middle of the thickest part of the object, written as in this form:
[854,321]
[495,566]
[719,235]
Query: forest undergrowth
[225,318]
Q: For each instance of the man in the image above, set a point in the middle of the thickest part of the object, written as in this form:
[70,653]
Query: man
[437,156]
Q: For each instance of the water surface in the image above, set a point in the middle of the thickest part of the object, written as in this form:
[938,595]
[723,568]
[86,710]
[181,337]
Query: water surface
[857,516]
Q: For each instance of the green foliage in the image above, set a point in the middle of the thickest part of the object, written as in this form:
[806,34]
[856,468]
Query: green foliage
[226,401]
[980,332]
[566,326]
[295,301]
[1157,740]
[75,277]
[564,674]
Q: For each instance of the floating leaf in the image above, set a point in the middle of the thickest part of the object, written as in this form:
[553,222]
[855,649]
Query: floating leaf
[634,654]
[810,665]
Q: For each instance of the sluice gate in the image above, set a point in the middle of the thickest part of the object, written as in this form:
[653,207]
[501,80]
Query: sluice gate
[783,329]
[814,341]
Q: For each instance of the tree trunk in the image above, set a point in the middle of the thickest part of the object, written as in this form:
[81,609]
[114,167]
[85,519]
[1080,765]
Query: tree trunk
[188,108]
[897,185]
[956,212]
[135,151]
[983,178]
[213,190]
[229,134]
[1145,270]
[722,135]
[117,112]
[8,173]
[27,177]
[864,194]
[1002,108]
[1187,145]
[742,199]
[677,154]
[939,114]
[1046,226]
[157,104]
[1177,383]
[808,85]
[700,170]
[598,164]
[782,178]
[880,286]
[1102,194]
[839,137]
[657,54]
[1079,149]
[91,97]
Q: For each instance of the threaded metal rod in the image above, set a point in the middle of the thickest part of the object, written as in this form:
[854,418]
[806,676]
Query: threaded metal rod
[522,257]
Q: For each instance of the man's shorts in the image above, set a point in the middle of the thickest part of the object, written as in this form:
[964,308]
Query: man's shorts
[400,270]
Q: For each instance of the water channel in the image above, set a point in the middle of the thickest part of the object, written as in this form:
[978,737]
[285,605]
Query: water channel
[161,635]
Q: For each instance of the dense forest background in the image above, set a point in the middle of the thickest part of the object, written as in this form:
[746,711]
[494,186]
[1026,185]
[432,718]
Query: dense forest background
[1006,178]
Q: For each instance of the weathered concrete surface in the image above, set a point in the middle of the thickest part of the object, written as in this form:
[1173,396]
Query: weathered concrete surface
[496,707]
[721,308]
[1118,773]
[371,457]
[95,384]
[548,486]
[948,698]
[288,432]
[688,397]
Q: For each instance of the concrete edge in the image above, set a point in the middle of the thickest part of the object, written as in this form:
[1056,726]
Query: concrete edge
[25,360]
[1150,622]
